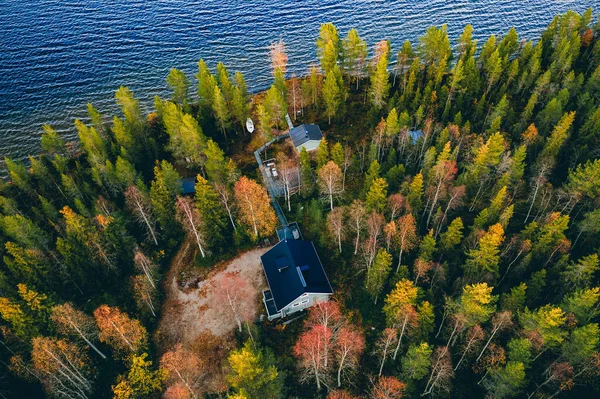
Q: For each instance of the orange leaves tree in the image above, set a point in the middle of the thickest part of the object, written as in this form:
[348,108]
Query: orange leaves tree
[119,331]
[387,388]
[73,322]
[384,345]
[340,394]
[254,207]
[184,370]
[348,346]
[278,55]
[311,351]
[328,345]
[406,236]
[62,367]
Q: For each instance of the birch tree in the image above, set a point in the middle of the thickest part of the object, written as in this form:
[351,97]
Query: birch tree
[500,321]
[357,214]
[144,293]
[442,373]
[146,266]
[62,367]
[387,387]
[330,181]
[234,292]
[400,310]
[406,236]
[226,200]
[348,347]
[119,331]
[474,336]
[255,210]
[310,350]
[139,204]
[190,218]
[384,346]
[288,173]
[72,322]
[336,225]
[183,368]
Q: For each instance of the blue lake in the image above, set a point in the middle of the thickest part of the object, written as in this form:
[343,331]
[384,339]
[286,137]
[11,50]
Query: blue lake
[55,56]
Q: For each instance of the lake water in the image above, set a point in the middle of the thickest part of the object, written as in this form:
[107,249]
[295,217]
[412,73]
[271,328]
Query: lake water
[56,55]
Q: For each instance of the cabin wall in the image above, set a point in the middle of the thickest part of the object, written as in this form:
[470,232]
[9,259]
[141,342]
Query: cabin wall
[310,145]
[303,302]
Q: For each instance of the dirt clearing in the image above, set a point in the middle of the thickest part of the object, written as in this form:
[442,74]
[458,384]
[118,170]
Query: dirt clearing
[189,313]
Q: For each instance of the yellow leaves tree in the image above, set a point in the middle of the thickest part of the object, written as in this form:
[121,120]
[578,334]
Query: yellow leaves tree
[477,303]
[475,306]
[400,309]
[252,375]
[255,210]
[544,326]
[482,262]
[20,323]
[140,381]
[119,331]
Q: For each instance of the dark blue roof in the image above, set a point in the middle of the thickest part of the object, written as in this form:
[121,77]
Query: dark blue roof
[287,264]
[303,133]
[188,185]
[415,134]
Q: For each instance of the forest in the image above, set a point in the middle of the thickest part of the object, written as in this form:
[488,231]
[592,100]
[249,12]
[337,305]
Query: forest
[454,202]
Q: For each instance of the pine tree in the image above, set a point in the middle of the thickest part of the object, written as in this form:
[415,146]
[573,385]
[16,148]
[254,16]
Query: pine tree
[180,85]
[206,85]
[354,55]
[378,272]
[328,46]
[377,195]
[253,373]
[483,261]
[332,92]
[220,109]
[417,361]
[380,86]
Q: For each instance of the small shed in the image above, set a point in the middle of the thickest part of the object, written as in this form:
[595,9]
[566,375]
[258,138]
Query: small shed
[295,276]
[188,185]
[308,136]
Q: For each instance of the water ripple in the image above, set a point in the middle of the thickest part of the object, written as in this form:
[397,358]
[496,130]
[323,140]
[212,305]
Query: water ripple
[55,56]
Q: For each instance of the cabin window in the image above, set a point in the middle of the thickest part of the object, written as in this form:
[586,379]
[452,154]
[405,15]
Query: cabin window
[304,302]
[295,304]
